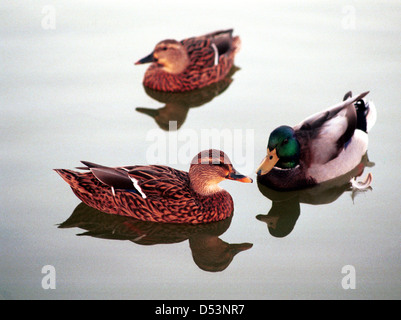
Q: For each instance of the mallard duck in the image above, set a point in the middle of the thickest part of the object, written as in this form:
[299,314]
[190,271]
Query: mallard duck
[322,147]
[286,206]
[192,63]
[159,193]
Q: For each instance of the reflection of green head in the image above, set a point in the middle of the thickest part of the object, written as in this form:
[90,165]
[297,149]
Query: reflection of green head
[287,213]
[287,146]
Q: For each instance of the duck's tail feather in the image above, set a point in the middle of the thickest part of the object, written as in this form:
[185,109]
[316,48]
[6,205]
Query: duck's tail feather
[236,45]
[366,115]
[366,112]
[75,179]
[68,176]
[371,116]
[347,95]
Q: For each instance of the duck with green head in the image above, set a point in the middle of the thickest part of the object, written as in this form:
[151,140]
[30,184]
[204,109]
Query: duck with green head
[320,148]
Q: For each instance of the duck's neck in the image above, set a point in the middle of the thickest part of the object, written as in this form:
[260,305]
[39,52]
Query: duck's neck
[205,189]
[177,66]
[202,183]
[288,163]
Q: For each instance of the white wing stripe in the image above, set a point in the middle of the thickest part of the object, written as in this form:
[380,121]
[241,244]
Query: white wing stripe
[137,187]
[216,54]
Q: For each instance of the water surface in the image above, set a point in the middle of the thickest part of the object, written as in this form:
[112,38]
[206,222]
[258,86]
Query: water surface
[72,93]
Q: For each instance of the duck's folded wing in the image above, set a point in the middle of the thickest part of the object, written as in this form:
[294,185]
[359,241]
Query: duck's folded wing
[89,165]
[202,53]
[113,177]
[317,118]
[327,133]
[222,39]
[161,181]
[220,34]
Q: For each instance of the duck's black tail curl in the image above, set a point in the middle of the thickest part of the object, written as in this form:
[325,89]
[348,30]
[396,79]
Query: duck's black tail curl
[363,112]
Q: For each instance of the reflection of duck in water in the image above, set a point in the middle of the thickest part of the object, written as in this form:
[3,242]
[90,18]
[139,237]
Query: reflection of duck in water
[177,105]
[286,209]
[209,252]
[159,193]
[193,63]
[322,147]
[282,216]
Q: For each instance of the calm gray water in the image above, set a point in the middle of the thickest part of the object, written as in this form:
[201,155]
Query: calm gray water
[70,92]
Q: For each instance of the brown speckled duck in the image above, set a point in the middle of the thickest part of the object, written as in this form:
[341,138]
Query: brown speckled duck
[193,63]
[159,193]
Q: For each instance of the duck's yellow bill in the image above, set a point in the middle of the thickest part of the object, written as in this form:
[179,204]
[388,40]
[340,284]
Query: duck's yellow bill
[268,162]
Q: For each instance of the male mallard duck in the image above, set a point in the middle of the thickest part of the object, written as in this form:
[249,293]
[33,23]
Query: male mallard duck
[159,193]
[320,148]
[191,63]
[286,206]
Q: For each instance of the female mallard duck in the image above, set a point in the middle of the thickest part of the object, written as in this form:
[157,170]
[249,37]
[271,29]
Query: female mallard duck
[191,63]
[322,147]
[159,193]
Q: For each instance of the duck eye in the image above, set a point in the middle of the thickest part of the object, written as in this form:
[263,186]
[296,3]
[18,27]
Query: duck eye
[164,48]
[285,141]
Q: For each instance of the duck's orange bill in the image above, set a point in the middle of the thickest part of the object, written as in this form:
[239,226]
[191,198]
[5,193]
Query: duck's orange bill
[268,162]
[235,175]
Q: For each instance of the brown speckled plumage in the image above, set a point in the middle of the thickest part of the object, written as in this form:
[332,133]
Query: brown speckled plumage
[169,195]
[202,69]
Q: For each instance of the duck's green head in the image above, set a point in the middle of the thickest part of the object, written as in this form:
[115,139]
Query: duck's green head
[282,150]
